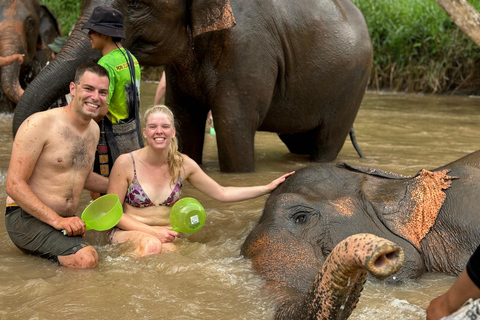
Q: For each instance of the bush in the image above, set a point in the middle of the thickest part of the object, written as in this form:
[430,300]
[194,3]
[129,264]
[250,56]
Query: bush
[417,48]
[67,12]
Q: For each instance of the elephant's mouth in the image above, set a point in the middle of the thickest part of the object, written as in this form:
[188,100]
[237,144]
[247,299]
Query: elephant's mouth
[141,49]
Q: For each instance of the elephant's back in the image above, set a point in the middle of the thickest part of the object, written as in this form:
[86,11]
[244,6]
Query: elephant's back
[321,55]
[319,27]
[470,160]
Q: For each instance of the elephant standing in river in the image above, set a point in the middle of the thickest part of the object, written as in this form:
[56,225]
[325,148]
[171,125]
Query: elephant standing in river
[433,216]
[296,68]
[26,28]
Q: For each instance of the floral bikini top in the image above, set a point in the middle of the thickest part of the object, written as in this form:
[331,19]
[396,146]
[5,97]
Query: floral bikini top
[136,197]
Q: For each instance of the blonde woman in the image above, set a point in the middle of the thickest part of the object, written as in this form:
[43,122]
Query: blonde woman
[148,182]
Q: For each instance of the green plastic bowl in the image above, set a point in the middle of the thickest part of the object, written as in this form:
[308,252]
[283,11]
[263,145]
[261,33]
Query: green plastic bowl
[187,215]
[103,213]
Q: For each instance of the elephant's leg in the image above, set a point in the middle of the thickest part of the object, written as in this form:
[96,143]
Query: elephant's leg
[329,141]
[299,143]
[321,145]
[237,116]
[235,143]
[190,117]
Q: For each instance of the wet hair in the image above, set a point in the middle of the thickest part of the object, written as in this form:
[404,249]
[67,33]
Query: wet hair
[91,67]
[174,158]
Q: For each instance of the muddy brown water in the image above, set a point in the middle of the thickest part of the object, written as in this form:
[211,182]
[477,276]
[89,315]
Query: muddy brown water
[207,278]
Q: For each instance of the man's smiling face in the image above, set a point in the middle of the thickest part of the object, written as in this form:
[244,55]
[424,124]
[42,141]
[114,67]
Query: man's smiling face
[90,94]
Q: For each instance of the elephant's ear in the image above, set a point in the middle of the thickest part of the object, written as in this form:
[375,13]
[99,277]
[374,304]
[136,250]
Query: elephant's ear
[409,207]
[49,28]
[211,15]
[372,171]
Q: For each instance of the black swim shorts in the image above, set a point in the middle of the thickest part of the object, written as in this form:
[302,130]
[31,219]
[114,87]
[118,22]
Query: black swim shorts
[35,237]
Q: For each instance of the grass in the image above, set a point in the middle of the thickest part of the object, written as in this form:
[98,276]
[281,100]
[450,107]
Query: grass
[417,48]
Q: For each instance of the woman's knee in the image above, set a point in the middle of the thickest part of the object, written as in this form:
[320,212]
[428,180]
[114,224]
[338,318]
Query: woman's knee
[150,246]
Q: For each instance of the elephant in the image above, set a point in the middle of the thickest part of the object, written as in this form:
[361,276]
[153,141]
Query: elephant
[27,27]
[433,216]
[297,69]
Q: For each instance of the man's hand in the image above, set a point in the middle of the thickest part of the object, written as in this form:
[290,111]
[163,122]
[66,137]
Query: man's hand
[73,226]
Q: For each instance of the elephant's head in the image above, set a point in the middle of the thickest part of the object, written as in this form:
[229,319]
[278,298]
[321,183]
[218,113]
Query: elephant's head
[160,32]
[319,206]
[27,27]
[157,33]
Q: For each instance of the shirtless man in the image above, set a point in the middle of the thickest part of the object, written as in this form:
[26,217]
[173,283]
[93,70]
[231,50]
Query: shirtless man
[51,163]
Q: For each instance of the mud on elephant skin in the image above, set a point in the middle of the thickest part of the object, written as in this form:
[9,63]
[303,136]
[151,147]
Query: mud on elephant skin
[433,216]
[27,27]
[299,70]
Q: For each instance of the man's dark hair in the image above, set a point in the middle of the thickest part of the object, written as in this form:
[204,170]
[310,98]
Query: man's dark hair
[91,67]
[116,39]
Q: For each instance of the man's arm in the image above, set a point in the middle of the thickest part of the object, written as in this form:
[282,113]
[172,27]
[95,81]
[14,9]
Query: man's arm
[461,290]
[27,147]
[161,88]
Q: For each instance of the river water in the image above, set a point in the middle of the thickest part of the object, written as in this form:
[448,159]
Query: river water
[207,278]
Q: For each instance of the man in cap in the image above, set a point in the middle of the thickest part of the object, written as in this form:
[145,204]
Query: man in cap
[105,30]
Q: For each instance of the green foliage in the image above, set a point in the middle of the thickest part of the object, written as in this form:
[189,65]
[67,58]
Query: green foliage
[417,47]
[66,11]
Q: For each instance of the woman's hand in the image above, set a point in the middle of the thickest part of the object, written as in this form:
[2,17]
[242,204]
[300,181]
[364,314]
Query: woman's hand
[275,183]
[165,234]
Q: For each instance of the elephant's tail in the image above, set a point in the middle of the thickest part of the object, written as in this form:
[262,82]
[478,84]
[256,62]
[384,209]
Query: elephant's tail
[354,142]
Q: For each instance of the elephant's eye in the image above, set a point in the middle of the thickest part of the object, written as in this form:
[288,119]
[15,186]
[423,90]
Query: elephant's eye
[300,218]
[301,214]
[138,4]
[29,24]
[134,4]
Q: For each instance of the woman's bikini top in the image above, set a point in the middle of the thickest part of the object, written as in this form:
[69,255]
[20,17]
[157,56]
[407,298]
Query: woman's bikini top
[136,197]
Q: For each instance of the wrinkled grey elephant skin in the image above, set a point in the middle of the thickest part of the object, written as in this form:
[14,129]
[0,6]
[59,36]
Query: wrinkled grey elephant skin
[433,216]
[298,69]
[26,28]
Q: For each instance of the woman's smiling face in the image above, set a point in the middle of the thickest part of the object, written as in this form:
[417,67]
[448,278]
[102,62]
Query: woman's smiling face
[159,130]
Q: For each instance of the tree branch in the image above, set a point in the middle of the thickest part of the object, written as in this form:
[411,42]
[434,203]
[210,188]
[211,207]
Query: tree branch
[464,15]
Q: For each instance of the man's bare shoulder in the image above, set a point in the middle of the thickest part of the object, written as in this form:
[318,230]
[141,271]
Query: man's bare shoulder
[41,120]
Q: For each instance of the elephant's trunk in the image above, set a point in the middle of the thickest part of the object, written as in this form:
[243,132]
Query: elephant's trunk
[12,42]
[10,77]
[336,289]
[54,80]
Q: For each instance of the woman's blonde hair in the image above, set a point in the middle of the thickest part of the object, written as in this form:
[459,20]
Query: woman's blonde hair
[174,158]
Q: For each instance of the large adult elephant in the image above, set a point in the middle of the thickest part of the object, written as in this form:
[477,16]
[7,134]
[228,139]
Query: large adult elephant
[26,27]
[433,216]
[296,68]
